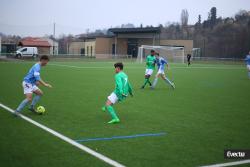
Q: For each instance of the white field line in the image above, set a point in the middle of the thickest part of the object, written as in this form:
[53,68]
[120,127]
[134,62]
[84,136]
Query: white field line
[229,163]
[66,139]
[103,67]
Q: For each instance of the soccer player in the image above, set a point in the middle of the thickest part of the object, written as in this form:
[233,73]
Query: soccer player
[150,63]
[248,64]
[30,83]
[189,59]
[122,89]
[161,63]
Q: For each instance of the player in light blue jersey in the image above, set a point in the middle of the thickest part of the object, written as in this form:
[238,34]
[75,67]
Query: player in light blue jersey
[161,63]
[248,64]
[30,83]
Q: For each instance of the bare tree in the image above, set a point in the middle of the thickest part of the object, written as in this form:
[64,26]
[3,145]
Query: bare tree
[184,17]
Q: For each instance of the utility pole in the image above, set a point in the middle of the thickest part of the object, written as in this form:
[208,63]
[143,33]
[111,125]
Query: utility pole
[54,36]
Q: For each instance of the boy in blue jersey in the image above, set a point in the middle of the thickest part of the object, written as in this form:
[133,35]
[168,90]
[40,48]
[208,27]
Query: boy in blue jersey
[161,62]
[248,64]
[30,83]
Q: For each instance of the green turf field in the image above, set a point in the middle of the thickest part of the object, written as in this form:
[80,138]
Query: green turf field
[209,111]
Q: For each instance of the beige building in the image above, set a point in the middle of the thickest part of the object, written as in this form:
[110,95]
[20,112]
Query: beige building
[84,47]
[124,43]
[76,48]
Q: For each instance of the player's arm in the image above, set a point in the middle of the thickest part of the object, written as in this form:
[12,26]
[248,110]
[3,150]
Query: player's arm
[43,83]
[167,65]
[39,79]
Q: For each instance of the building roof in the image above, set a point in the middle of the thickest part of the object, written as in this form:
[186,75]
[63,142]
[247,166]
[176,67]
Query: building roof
[36,42]
[82,37]
[135,30]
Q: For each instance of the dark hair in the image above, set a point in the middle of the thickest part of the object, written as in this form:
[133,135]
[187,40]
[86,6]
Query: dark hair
[152,51]
[157,54]
[119,65]
[44,57]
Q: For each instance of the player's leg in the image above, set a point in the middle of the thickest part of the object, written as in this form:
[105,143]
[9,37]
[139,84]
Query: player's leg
[24,103]
[148,81]
[27,90]
[248,68]
[38,94]
[167,80]
[112,99]
[148,74]
[155,80]
[146,78]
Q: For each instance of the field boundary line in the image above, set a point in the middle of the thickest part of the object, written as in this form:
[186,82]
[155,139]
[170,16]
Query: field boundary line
[121,137]
[229,163]
[66,139]
[103,67]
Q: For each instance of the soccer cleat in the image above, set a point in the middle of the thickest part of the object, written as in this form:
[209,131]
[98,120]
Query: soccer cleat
[142,87]
[173,85]
[16,113]
[113,121]
[103,108]
[32,110]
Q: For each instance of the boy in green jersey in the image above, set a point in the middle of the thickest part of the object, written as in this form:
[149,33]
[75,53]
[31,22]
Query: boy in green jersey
[150,63]
[122,89]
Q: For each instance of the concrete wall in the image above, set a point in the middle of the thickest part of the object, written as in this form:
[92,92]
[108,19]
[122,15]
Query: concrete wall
[147,42]
[43,50]
[188,44]
[122,46]
[90,48]
[75,47]
[103,48]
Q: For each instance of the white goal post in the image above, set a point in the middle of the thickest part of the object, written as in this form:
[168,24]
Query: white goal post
[171,53]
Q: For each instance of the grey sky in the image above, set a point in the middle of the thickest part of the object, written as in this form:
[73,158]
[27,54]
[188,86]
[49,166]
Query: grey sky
[35,18]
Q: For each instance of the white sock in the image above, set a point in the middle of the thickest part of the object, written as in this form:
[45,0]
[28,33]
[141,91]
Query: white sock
[168,81]
[155,82]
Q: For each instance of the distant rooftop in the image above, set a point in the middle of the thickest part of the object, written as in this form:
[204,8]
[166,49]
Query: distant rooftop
[40,42]
[135,30]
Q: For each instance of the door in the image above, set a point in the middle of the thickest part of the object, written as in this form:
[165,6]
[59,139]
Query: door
[132,47]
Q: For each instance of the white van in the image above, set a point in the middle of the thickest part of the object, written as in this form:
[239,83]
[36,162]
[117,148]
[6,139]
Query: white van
[27,52]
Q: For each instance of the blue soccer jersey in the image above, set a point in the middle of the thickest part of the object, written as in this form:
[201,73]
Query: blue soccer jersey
[161,63]
[33,75]
[248,59]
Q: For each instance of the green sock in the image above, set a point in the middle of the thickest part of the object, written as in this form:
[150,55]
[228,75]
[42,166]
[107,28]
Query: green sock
[149,82]
[145,81]
[112,112]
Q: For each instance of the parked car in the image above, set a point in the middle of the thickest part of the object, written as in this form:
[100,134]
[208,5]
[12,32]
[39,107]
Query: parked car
[27,52]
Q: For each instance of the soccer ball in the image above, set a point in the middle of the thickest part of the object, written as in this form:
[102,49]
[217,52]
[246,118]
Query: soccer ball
[40,110]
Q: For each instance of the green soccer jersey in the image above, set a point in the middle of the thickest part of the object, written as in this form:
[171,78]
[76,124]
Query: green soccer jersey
[150,62]
[122,86]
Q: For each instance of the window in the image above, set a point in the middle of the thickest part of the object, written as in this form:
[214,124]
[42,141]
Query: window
[24,50]
[91,49]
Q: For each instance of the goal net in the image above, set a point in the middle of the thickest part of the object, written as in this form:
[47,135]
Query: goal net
[171,53]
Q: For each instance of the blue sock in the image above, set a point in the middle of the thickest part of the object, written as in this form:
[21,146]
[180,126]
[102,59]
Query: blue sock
[168,81]
[155,82]
[22,105]
[35,100]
